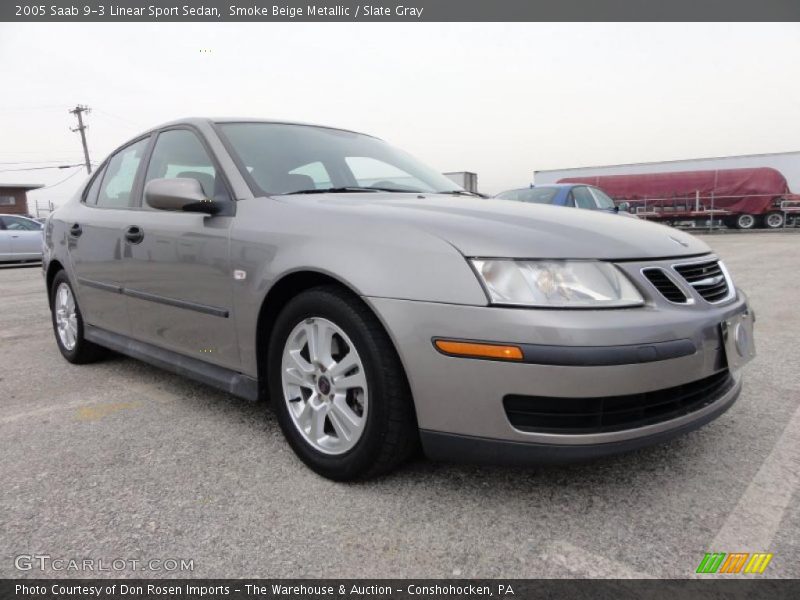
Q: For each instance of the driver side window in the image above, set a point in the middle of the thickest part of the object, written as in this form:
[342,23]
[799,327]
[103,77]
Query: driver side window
[178,153]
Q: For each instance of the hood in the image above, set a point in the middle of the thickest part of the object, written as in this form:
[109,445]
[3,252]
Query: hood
[503,228]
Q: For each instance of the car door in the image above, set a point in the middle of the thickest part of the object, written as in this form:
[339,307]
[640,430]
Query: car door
[5,244]
[25,237]
[96,230]
[178,276]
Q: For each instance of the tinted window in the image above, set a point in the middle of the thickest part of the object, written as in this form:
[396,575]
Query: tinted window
[583,197]
[20,224]
[541,195]
[180,154]
[116,189]
[538,195]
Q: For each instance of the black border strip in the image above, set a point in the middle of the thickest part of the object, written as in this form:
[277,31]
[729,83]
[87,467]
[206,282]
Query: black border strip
[423,11]
[107,287]
[195,306]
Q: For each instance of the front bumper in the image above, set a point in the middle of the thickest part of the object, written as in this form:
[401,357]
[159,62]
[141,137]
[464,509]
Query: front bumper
[459,401]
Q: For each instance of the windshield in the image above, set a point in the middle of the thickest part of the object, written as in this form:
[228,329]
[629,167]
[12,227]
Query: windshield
[535,195]
[602,199]
[284,159]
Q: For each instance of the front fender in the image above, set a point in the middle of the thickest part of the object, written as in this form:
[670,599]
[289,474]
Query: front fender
[270,240]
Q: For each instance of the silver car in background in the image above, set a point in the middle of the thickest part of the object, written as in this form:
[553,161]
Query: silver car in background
[20,239]
[381,308]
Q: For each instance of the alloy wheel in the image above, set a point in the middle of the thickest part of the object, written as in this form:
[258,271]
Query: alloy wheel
[66,316]
[324,386]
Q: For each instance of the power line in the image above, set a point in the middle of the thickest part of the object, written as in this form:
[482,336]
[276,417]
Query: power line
[47,187]
[78,112]
[34,162]
[112,115]
[41,107]
[42,168]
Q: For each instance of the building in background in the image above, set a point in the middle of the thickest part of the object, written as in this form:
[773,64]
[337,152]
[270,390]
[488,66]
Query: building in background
[14,197]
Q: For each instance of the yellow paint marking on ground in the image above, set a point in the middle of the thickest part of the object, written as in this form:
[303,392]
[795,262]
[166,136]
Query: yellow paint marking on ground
[98,411]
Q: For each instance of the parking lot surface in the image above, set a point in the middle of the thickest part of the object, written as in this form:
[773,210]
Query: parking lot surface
[121,460]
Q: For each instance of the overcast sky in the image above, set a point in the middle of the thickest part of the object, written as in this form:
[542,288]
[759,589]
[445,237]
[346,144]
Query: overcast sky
[502,100]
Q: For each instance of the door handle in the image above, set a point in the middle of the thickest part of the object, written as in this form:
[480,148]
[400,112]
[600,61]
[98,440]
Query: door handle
[134,234]
[75,230]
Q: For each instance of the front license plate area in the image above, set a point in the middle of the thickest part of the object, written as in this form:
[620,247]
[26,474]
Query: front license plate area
[738,340]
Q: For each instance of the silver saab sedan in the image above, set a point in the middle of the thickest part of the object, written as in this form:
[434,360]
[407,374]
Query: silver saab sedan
[382,308]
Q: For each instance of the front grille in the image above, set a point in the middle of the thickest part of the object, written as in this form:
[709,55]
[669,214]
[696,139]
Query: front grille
[661,281]
[707,278]
[542,414]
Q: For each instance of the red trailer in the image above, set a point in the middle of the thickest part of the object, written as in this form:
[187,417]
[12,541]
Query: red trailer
[740,198]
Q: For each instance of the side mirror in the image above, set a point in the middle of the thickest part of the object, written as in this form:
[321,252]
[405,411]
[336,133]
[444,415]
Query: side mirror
[624,206]
[179,194]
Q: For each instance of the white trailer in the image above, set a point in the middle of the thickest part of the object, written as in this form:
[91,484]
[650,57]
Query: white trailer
[466,179]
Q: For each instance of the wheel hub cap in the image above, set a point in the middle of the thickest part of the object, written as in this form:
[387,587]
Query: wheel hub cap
[324,386]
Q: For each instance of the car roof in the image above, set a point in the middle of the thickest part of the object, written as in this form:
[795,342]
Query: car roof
[219,120]
[544,185]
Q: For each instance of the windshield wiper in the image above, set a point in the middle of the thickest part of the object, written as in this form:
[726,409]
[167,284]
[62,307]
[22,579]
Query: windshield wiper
[460,193]
[334,190]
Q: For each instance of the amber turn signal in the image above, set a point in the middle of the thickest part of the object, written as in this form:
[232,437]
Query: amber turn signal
[475,350]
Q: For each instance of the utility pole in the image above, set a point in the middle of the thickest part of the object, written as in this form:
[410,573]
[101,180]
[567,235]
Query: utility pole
[78,112]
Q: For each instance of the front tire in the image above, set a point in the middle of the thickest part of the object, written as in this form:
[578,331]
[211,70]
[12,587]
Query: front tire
[338,388]
[773,220]
[68,323]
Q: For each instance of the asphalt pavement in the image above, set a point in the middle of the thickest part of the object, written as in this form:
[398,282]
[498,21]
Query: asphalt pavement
[119,460]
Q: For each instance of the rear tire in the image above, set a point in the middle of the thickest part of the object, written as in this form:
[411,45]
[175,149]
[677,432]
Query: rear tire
[745,221]
[345,407]
[68,324]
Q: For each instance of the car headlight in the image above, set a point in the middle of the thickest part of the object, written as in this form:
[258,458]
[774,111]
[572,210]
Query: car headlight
[556,283]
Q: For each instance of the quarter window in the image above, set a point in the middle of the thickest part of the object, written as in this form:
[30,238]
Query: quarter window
[178,153]
[91,194]
[117,187]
